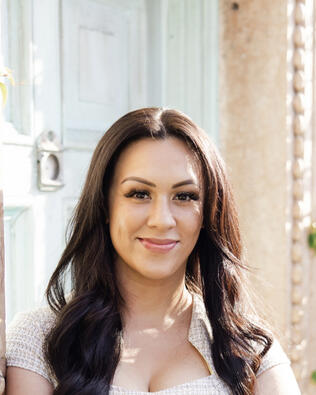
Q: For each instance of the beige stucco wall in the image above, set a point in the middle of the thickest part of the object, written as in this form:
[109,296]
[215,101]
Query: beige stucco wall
[254,133]
[266,135]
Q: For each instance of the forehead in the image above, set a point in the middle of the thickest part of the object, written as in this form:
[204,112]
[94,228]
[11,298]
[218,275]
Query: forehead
[148,157]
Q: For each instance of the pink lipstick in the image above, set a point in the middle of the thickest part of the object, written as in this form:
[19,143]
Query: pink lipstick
[158,245]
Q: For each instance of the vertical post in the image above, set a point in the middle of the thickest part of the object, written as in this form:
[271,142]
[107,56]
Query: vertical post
[254,138]
[266,86]
[2,305]
[2,294]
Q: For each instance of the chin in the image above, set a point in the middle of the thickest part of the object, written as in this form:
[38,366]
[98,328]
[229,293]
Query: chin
[158,274]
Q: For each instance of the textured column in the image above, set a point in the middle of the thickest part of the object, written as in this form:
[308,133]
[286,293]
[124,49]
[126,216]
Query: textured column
[301,22]
[266,100]
[255,141]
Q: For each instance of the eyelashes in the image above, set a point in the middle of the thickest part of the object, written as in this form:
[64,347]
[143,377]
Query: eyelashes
[140,194]
[187,196]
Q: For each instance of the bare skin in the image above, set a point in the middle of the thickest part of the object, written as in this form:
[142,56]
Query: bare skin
[279,380]
[24,382]
[156,351]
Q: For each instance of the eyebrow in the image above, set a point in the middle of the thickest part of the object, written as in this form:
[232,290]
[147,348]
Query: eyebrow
[151,184]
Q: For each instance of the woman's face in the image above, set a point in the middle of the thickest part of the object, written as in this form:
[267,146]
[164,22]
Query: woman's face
[155,208]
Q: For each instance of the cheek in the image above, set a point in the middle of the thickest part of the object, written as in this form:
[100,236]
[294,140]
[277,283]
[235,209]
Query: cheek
[124,220]
[191,219]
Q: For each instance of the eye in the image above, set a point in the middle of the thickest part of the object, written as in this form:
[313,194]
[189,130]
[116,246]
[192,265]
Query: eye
[187,196]
[138,194]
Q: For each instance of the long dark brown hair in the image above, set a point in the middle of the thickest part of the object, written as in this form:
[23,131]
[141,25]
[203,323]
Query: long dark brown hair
[83,348]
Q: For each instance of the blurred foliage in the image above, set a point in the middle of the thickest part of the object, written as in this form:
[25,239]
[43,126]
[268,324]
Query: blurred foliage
[5,73]
[312,237]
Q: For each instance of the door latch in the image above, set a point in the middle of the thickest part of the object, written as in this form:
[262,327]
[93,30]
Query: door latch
[49,162]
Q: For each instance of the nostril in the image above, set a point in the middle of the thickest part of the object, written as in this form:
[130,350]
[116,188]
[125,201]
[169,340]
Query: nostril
[161,216]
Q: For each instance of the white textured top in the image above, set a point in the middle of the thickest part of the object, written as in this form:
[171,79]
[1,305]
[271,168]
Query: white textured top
[26,334]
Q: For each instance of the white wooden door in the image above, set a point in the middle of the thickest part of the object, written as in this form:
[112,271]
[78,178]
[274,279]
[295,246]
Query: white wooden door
[79,65]
[71,61]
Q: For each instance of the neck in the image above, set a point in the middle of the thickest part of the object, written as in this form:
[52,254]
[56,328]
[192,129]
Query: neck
[150,302]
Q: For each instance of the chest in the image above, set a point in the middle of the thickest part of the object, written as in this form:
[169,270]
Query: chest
[152,363]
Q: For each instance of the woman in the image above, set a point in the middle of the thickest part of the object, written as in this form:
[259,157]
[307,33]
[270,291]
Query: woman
[157,301]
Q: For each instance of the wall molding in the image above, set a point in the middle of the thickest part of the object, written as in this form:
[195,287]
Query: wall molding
[300,102]
[18,34]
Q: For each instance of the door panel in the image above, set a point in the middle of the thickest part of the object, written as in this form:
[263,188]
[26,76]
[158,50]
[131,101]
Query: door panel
[18,249]
[79,65]
[71,62]
[99,43]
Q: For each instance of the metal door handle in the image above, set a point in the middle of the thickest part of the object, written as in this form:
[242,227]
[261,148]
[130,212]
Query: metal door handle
[49,162]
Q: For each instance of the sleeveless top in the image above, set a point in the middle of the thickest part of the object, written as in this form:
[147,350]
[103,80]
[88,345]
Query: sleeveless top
[27,332]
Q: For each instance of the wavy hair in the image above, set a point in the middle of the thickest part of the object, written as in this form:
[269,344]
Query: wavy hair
[83,348]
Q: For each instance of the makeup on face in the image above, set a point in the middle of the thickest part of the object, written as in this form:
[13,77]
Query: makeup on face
[155,207]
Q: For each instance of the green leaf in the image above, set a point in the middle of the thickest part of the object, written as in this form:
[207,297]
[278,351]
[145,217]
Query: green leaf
[313,376]
[312,240]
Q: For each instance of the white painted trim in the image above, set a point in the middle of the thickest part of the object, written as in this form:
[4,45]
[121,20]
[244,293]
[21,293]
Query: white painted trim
[20,60]
[183,58]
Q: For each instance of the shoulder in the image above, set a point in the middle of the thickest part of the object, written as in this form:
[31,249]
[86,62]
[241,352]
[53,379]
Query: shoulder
[42,316]
[34,324]
[25,339]
[275,356]
[274,365]
[275,375]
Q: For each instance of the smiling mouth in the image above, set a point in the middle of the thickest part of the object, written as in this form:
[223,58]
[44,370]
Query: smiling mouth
[158,245]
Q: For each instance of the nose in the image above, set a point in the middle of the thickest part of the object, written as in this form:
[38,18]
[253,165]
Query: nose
[160,214]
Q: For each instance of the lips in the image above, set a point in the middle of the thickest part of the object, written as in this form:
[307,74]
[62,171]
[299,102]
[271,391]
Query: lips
[158,245]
